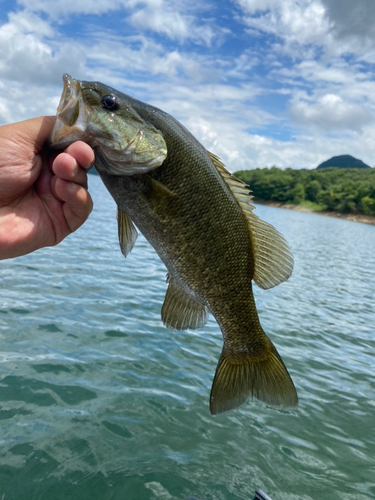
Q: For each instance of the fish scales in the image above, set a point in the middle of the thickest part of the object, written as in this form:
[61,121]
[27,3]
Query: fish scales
[204,244]
[184,202]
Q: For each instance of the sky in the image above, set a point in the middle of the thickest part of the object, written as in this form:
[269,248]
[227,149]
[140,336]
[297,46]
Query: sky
[289,83]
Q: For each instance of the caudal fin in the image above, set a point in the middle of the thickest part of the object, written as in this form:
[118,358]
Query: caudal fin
[239,379]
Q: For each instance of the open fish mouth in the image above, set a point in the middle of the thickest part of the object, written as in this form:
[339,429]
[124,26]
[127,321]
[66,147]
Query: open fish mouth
[72,115]
[127,143]
[68,109]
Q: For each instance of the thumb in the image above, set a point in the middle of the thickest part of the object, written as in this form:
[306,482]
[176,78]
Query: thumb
[36,130]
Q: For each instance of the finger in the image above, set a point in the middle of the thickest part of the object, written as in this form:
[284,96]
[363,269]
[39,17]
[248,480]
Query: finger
[72,164]
[66,167]
[83,153]
[77,202]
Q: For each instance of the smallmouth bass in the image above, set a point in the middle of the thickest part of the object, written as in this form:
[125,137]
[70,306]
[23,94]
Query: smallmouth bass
[198,218]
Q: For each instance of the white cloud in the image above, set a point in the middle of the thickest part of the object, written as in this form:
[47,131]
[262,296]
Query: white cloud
[140,54]
[27,54]
[240,66]
[25,102]
[170,19]
[26,22]
[322,45]
[291,68]
[240,150]
[331,96]
[295,21]
[176,20]
[330,112]
[171,23]
[58,10]
[337,26]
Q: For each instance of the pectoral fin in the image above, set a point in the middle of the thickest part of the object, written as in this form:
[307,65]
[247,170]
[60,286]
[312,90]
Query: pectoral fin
[127,233]
[159,190]
[180,311]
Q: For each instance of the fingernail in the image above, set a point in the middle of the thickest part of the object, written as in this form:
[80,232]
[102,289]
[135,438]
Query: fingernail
[76,169]
[91,164]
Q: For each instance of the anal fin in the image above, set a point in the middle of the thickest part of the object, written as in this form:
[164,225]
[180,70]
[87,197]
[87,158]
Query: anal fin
[181,311]
[127,233]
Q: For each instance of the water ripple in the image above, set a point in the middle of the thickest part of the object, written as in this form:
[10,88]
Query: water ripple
[99,400]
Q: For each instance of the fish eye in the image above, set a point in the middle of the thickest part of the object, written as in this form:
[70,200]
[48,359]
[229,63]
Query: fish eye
[110,102]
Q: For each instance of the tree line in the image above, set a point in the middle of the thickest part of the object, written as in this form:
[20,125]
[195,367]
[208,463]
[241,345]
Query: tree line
[343,190]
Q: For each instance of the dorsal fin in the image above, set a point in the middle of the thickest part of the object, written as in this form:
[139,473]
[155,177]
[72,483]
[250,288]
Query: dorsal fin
[273,260]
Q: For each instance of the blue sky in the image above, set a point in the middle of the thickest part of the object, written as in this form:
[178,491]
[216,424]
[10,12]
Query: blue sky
[260,83]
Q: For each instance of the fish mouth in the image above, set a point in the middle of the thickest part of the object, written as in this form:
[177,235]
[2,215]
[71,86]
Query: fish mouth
[72,115]
[129,145]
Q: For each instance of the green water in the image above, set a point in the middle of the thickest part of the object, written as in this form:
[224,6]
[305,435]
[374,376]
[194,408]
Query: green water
[99,401]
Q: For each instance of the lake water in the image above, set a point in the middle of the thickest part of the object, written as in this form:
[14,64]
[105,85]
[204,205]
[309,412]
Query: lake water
[99,401]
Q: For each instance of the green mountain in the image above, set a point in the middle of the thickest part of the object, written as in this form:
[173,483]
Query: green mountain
[343,161]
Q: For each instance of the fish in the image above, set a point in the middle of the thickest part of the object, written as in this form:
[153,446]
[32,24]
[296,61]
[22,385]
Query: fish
[199,219]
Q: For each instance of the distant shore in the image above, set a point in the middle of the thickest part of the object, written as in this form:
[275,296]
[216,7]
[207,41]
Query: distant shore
[365,219]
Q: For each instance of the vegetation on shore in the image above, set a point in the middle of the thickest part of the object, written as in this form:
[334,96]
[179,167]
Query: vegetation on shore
[345,190]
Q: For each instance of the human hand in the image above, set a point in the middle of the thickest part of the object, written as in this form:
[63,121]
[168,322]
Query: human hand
[43,195]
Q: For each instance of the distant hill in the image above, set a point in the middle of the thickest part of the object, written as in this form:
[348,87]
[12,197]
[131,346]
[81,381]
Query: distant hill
[343,161]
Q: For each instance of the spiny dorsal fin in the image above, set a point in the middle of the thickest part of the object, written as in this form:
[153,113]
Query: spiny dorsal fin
[127,234]
[240,190]
[273,260]
[180,311]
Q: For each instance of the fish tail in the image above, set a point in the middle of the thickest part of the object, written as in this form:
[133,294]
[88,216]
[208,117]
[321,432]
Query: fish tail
[263,377]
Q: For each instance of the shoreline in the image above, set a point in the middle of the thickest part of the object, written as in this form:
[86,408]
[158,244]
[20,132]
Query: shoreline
[365,219]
